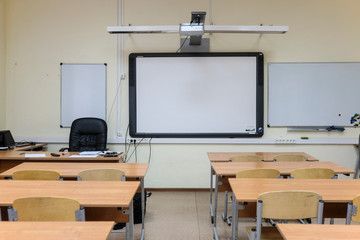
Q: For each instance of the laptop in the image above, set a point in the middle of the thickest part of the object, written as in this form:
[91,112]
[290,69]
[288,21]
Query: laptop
[6,139]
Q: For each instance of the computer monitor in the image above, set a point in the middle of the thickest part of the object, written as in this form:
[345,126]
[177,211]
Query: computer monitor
[6,139]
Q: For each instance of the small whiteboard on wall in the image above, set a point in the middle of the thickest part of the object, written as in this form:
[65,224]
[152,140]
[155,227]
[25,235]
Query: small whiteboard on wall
[313,94]
[83,92]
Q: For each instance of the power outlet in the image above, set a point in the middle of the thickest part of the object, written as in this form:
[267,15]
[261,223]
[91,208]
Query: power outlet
[137,140]
[285,140]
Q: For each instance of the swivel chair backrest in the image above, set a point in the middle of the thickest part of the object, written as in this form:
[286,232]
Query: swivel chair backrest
[88,134]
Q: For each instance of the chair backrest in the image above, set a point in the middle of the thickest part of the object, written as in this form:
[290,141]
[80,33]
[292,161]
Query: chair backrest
[45,209]
[36,175]
[286,205]
[313,173]
[88,134]
[289,204]
[290,158]
[246,158]
[258,173]
[102,175]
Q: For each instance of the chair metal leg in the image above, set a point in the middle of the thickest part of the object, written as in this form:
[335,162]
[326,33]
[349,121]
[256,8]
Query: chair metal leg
[235,217]
[224,214]
[348,213]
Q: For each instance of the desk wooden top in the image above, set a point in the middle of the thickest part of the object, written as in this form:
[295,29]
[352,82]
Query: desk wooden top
[285,168]
[9,155]
[331,190]
[87,193]
[268,156]
[319,231]
[66,169]
[55,230]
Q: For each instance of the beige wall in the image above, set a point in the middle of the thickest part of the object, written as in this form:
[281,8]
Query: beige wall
[41,34]
[2,64]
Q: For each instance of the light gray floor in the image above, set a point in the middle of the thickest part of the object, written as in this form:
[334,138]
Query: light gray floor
[179,215]
[184,215]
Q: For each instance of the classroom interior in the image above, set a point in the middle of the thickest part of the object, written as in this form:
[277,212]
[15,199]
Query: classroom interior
[37,35]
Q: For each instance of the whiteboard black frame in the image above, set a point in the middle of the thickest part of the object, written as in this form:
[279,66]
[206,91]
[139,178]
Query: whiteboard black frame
[259,91]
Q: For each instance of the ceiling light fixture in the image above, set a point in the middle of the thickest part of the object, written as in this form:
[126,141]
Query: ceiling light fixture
[196,29]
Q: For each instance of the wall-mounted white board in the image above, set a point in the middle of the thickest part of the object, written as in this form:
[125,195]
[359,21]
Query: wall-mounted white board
[83,92]
[196,94]
[313,94]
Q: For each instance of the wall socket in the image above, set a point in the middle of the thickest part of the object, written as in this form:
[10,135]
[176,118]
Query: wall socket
[137,140]
[285,140]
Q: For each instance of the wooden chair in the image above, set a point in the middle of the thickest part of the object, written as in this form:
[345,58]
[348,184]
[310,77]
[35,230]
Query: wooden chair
[46,209]
[290,158]
[246,158]
[258,173]
[106,214]
[353,211]
[284,205]
[250,173]
[238,158]
[102,175]
[36,175]
[313,173]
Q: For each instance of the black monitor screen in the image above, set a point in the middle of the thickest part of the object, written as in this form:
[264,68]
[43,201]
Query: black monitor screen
[6,139]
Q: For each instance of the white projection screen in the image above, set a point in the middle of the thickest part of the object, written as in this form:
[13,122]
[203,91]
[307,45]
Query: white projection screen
[196,95]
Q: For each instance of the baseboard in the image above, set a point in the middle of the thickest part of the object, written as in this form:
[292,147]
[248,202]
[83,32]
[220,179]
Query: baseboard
[177,189]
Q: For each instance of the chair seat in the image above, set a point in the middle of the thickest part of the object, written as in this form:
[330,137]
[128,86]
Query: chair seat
[267,233]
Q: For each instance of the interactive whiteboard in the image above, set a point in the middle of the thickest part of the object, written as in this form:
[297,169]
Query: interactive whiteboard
[313,94]
[196,94]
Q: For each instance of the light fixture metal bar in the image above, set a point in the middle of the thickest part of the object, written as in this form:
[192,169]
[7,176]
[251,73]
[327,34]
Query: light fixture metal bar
[207,29]
[245,29]
[143,29]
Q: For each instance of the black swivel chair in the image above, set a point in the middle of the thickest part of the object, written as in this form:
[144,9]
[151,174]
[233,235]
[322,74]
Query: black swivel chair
[87,134]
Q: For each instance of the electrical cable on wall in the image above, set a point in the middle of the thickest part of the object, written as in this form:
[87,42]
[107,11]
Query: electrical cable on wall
[149,150]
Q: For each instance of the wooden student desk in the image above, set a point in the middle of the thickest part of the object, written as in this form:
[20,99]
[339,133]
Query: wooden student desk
[331,190]
[72,170]
[31,147]
[318,231]
[268,156]
[133,171]
[55,230]
[90,194]
[11,158]
[224,157]
[225,170]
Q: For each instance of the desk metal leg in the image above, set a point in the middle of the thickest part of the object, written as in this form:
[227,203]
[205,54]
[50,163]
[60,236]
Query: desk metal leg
[142,209]
[130,224]
[357,164]
[211,193]
[235,218]
[215,207]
